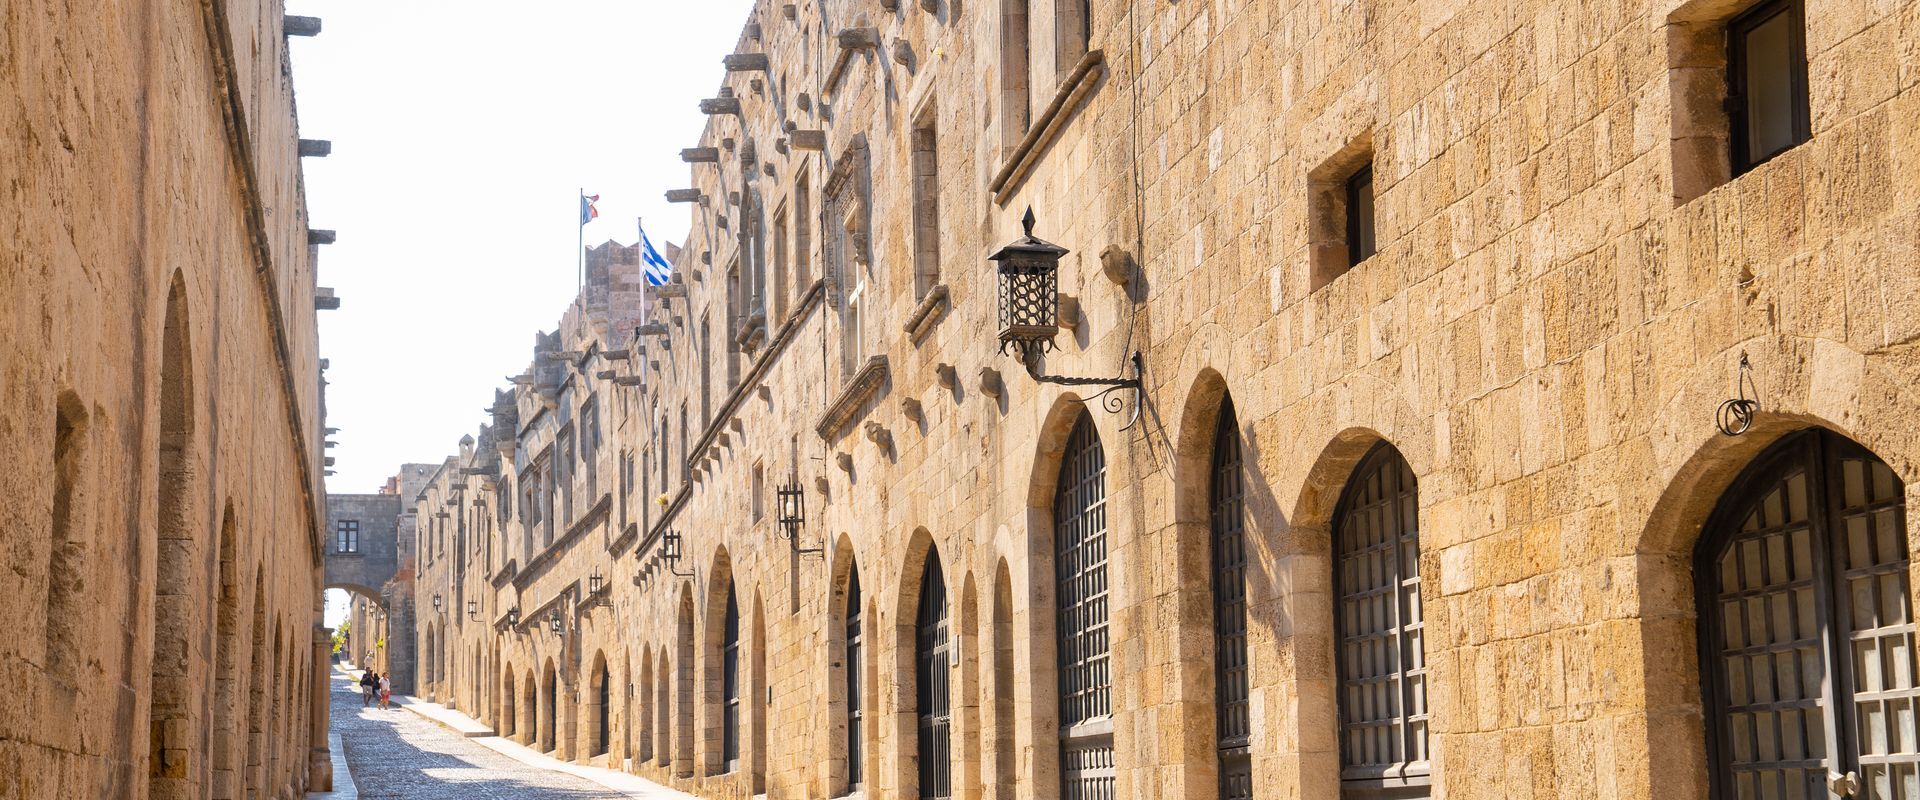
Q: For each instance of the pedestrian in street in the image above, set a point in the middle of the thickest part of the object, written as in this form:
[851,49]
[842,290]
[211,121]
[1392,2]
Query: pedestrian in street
[367,685]
[386,691]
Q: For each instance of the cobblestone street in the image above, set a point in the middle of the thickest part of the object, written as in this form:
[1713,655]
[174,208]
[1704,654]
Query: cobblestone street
[398,754]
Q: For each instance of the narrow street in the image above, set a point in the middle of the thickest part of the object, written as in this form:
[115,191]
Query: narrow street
[399,754]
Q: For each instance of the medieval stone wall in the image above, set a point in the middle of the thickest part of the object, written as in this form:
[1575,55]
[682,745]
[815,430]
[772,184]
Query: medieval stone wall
[1564,288]
[159,408]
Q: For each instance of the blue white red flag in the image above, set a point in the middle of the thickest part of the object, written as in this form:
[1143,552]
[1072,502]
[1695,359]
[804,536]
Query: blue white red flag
[587,212]
[657,270]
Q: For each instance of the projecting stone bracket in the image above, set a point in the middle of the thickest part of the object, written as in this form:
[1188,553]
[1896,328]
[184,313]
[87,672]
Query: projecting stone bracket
[685,196]
[745,62]
[316,236]
[300,26]
[700,155]
[315,148]
[324,299]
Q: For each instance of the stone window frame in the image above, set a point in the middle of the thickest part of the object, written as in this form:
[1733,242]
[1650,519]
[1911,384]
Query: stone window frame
[1700,70]
[847,223]
[923,163]
[1330,251]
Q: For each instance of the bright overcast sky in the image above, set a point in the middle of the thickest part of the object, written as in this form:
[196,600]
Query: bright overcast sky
[461,133]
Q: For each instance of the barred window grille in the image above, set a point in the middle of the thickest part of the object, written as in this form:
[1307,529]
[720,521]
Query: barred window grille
[1806,626]
[855,751]
[730,686]
[930,680]
[1080,560]
[1381,654]
[1227,520]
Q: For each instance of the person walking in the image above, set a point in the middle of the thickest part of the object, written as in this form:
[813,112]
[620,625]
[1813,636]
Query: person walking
[367,685]
[386,691]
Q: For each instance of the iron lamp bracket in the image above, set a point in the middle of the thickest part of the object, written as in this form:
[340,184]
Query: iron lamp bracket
[1108,399]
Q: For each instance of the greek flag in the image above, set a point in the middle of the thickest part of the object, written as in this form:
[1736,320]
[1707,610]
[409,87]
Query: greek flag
[657,269]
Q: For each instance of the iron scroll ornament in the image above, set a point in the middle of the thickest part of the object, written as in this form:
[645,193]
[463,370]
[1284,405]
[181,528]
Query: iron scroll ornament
[1735,416]
[1108,400]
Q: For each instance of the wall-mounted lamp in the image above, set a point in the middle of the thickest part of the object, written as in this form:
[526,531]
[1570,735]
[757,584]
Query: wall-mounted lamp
[670,553]
[792,508]
[436,601]
[1029,315]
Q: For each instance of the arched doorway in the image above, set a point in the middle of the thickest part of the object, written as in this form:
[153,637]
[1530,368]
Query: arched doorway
[1806,628]
[1080,565]
[931,695]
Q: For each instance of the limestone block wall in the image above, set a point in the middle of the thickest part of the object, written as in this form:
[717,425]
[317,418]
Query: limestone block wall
[1558,305]
[160,408]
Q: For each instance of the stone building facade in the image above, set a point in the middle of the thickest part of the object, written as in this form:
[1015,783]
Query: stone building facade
[1437,308]
[160,408]
[369,558]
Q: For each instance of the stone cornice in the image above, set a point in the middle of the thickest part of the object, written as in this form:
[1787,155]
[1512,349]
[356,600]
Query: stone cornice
[226,78]
[853,397]
[781,338]
[931,309]
[1068,99]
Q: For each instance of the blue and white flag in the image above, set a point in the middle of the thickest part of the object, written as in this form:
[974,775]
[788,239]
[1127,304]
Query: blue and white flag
[657,270]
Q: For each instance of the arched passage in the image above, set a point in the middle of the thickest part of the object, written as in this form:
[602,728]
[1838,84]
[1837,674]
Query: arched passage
[549,708]
[509,721]
[599,707]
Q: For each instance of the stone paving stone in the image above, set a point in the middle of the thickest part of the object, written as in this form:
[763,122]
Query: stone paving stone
[398,754]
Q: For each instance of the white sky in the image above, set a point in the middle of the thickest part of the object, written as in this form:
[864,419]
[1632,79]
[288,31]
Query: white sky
[461,133]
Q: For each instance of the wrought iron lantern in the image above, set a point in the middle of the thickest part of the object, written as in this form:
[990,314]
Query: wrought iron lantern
[594,583]
[1030,311]
[670,553]
[1029,292]
[513,617]
[436,601]
[473,609]
[556,623]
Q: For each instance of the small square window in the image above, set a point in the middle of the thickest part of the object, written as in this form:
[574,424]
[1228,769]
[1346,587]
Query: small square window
[1341,214]
[1360,242]
[1767,82]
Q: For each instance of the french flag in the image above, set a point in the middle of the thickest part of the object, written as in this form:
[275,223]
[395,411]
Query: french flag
[587,212]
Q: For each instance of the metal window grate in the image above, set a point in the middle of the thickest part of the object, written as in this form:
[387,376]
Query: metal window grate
[1807,626]
[1080,538]
[930,680]
[1382,658]
[854,748]
[730,687]
[1227,519]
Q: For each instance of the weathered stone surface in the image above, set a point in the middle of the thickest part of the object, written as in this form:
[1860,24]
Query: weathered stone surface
[159,409]
[1544,334]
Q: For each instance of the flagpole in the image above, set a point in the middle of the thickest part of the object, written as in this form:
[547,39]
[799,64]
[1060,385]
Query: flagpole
[580,251]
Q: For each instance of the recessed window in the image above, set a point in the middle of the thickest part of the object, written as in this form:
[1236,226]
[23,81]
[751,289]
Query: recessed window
[1360,242]
[1340,212]
[1767,82]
